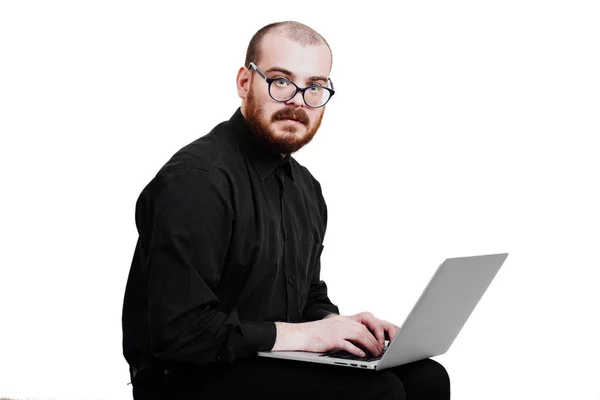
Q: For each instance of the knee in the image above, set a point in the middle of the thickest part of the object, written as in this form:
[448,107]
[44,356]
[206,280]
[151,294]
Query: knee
[394,389]
[395,392]
[439,377]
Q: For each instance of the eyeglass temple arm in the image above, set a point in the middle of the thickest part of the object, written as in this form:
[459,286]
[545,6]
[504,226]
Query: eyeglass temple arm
[258,71]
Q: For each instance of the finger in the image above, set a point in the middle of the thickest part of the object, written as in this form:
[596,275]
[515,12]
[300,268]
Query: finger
[379,334]
[395,330]
[369,342]
[391,330]
[376,326]
[351,348]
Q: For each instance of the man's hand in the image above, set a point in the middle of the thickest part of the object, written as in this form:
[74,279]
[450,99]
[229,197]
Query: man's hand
[335,332]
[378,326]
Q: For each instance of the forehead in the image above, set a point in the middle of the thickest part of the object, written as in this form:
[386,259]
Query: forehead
[302,60]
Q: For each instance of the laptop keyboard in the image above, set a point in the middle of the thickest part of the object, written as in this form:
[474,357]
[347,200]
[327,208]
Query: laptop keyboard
[343,354]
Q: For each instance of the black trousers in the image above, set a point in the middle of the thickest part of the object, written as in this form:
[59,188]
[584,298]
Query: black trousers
[265,378]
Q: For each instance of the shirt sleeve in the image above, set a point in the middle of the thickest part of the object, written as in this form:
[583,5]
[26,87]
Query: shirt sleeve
[318,305]
[187,239]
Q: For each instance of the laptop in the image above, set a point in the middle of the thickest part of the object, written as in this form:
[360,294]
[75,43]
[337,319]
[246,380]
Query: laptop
[433,323]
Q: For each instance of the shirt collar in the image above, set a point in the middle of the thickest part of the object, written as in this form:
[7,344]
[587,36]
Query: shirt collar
[263,160]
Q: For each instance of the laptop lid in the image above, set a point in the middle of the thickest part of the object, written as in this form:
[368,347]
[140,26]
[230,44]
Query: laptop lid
[442,309]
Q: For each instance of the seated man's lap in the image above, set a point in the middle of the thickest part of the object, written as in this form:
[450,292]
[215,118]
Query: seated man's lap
[267,378]
[423,380]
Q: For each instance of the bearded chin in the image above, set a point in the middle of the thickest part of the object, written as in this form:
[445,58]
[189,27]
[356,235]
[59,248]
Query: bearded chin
[280,144]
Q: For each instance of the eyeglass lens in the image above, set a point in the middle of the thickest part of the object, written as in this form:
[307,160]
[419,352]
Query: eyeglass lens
[283,90]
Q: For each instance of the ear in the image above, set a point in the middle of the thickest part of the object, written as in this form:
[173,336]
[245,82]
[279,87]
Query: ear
[243,82]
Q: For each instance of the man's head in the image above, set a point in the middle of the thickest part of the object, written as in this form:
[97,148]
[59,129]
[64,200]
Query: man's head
[295,52]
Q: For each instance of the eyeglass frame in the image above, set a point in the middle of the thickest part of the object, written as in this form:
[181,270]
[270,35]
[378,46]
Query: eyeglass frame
[298,88]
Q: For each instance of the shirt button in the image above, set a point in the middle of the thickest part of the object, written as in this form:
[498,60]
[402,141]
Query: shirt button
[290,280]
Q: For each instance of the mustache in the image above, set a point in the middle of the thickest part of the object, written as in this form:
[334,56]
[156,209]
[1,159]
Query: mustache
[291,113]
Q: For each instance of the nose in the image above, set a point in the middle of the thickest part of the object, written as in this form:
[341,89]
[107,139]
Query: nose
[297,100]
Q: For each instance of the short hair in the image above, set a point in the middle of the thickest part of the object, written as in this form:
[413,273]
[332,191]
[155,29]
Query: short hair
[293,30]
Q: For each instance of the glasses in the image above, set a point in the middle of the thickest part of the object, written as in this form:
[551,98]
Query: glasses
[281,89]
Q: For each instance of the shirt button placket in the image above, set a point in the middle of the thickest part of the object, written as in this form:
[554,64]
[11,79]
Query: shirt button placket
[287,264]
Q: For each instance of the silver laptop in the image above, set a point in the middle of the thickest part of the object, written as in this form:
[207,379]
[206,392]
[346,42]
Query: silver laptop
[434,321]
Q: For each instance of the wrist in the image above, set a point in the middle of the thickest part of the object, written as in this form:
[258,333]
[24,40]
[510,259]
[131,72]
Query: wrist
[289,336]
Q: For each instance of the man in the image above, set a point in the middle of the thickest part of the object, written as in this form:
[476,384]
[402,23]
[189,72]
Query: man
[228,257]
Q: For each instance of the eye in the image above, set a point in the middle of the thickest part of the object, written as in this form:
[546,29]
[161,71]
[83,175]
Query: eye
[314,88]
[282,82]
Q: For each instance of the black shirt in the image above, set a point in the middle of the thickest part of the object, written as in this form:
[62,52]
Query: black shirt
[230,239]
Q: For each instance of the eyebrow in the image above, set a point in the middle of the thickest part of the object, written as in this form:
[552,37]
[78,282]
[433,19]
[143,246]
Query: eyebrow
[290,73]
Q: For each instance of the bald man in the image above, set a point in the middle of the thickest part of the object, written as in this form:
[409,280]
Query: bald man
[227,262]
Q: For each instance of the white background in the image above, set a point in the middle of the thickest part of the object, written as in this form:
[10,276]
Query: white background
[458,128]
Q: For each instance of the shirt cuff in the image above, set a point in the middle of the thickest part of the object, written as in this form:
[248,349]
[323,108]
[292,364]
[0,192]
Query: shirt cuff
[259,336]
[318,313]
[321,313]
